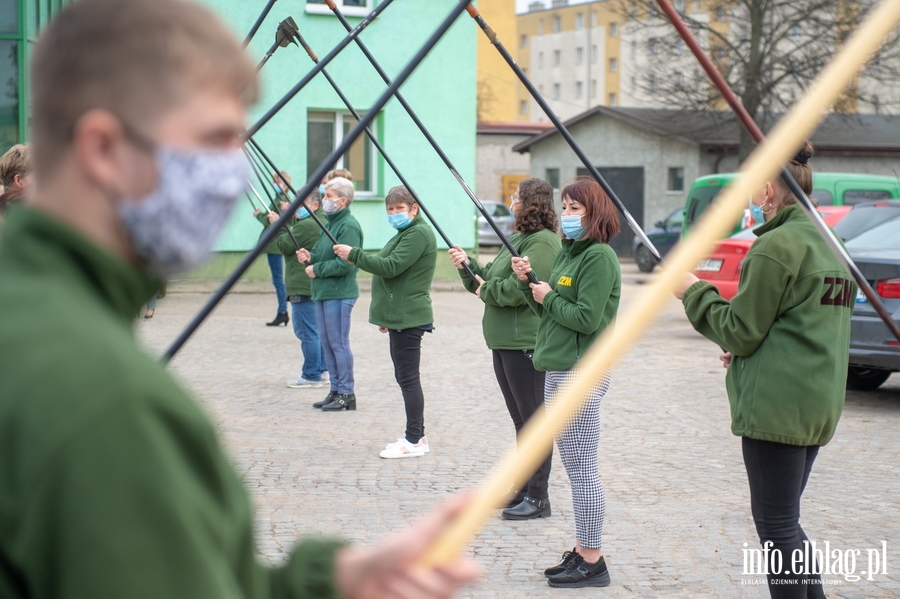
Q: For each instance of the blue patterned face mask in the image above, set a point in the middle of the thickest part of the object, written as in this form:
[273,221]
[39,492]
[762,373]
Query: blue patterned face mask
[174,228]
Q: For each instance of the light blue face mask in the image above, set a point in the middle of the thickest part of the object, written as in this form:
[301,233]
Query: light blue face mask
[571,226]
[277,188]
[174,228]
[756,212]
[399,220]
[302,213]
[322,189]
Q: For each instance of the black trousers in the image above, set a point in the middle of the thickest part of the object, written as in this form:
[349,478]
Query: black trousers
[777,474]
[523,389]
[406,352]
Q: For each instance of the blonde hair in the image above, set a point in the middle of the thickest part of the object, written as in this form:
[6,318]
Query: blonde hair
[341,172]
[134,58]
[16,161]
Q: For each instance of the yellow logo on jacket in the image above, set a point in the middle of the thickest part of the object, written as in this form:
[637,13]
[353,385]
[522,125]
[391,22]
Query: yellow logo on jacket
[565,281]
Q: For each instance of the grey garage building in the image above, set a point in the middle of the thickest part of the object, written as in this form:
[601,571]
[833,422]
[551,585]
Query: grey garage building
[651,156]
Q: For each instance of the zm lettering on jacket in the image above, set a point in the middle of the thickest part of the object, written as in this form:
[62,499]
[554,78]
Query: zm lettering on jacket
[839,292]
[565,281]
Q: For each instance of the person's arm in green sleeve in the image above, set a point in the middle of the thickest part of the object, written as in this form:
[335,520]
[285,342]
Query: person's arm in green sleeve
[528,296]
[597,277]
[334,266]
[142,503]
[263,218]
[741,325]
[468,282]
[407,251]
[503,292]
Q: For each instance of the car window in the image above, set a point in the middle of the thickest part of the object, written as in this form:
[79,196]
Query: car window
[885,236]
[501,210]
[676,218]
[857,196]
[745,234]
[701,198]
[823,196]
[863,218]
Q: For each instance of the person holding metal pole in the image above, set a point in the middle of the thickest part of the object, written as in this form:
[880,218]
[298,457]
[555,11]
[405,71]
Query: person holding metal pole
[786,336]
[274,256]
[575,306]
[510,325]
[313,372]
[115,483]
[335,291]
[401,307]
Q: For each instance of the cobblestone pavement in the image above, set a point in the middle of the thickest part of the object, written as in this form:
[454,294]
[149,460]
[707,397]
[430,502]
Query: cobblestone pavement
[678,508]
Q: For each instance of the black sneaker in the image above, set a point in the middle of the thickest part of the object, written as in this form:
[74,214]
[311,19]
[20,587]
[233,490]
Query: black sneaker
[580,573]
[562,565]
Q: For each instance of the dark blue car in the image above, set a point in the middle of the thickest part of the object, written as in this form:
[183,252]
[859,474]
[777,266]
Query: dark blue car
[665,234]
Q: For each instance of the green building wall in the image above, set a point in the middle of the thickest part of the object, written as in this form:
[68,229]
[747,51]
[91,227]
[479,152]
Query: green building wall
[442,91]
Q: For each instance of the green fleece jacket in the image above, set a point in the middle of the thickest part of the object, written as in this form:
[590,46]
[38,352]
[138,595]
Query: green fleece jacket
[509,322]
[403,271]
[113,483]
[788,329]
[306,232]
[335,278]
[587,284]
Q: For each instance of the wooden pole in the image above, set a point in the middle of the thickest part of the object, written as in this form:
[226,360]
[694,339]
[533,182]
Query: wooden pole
[764,164]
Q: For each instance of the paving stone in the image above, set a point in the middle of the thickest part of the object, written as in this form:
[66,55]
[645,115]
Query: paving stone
[678,507]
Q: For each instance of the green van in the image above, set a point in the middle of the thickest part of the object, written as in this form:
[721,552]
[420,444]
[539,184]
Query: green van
[829,189]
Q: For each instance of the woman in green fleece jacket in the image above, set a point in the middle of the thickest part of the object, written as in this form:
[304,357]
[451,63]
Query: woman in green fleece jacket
[786,335]
[401,306]
[575,306]
[510,326]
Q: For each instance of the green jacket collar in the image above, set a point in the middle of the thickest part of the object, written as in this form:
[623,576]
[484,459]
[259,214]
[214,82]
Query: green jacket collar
[791,212]
[576,246]
[338,216]
[48,247]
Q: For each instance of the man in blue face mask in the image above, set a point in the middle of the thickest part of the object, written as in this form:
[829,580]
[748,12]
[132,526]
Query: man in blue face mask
[112,480]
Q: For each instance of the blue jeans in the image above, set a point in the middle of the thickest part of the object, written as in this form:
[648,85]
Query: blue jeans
[304,315]
[333,317]
[276,265]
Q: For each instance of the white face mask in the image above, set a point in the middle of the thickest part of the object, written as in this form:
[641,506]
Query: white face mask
[174,228]
[330,206]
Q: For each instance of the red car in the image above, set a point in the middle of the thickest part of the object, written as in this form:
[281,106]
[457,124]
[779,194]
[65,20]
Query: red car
[723,267]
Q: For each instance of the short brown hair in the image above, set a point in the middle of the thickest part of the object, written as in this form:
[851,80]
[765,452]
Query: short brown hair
[16,161]
[537,211]
[601,221]
[399,195]
[137,59]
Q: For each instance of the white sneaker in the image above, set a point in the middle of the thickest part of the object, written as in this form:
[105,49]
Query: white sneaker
[404,449]
[302,383]
[325,377]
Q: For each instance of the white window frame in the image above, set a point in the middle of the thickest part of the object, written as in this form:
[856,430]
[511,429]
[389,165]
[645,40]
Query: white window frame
[557,91]
[557,58]
[613,99]
[613,30]
[557,24]
[579,56]
[579,21]
[339,116]
[579,90]
[613,65]
[347,11]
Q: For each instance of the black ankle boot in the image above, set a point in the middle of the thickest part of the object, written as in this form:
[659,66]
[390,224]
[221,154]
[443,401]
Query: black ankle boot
[529,509]
[513,498]
[580,573]
[344,401]
[328,399]
[280,318]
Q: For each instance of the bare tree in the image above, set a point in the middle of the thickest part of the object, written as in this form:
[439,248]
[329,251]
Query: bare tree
[768,51]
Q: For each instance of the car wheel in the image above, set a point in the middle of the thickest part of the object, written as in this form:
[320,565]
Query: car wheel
[866,379]
[644,259]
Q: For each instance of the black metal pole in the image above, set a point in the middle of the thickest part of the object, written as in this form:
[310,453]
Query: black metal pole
[263,182]
[259,21]
[564,132]
[315,71]
[381,150]
[293,191]
[287,228]
[314,181]
[434,144]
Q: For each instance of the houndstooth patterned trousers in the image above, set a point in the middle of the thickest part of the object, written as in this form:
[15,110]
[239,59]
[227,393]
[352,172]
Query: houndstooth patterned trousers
[578,450]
